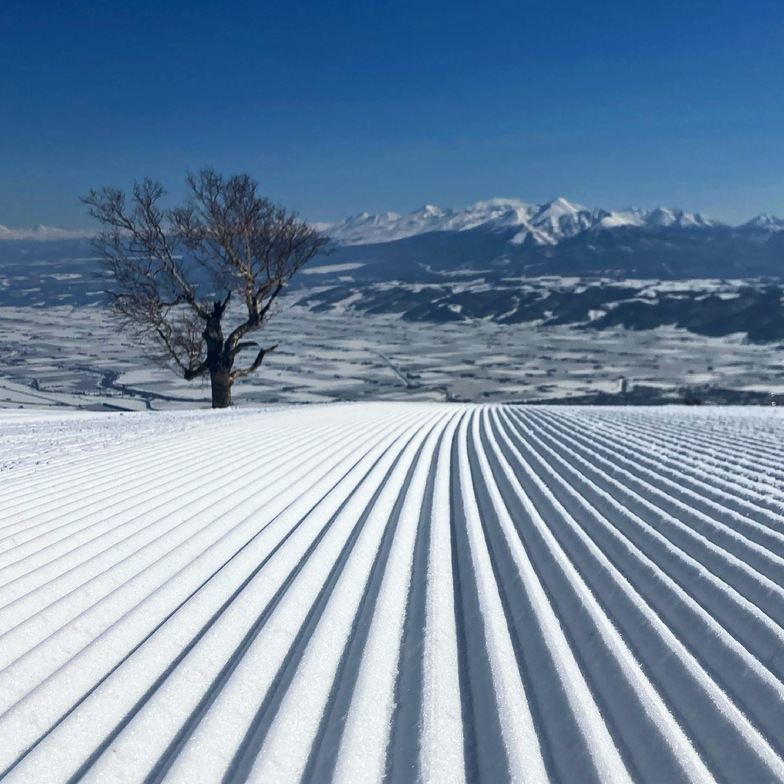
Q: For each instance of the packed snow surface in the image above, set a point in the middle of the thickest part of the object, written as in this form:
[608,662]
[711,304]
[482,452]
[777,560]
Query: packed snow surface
[393,592]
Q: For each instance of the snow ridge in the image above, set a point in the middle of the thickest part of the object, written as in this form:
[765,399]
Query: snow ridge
[543,224]
[394,592]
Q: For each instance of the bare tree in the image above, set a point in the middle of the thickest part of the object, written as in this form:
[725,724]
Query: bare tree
[174,271]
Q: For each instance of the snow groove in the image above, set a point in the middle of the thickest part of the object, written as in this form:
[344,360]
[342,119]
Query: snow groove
[395,592]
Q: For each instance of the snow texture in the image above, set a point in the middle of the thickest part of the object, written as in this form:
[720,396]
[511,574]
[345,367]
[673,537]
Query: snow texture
[544,224]
[393,592]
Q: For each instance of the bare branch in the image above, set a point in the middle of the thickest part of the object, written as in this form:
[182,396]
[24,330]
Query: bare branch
[167,266]
[240,372]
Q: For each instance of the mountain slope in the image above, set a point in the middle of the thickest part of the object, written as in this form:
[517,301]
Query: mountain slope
[505,235]
[711,308]
[388,592]
[545,224]
[671,252]
[558,238]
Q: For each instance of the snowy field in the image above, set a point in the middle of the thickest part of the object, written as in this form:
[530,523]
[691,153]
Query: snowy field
[393,592]
[76,357]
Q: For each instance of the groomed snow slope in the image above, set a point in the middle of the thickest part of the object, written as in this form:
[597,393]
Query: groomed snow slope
[393,592]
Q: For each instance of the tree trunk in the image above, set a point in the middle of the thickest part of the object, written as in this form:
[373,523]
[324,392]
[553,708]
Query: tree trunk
[217,361]
[220,380]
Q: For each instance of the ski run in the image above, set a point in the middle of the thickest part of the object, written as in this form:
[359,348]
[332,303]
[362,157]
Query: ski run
[395,592]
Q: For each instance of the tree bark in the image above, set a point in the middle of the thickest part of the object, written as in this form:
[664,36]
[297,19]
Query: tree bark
[218,363]
[220,380]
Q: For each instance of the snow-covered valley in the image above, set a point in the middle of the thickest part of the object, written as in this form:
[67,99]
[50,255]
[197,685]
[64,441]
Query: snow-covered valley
[393,592]
[455,319]
[76,357]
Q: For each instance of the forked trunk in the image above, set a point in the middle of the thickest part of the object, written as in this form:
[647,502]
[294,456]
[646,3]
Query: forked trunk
[220,380]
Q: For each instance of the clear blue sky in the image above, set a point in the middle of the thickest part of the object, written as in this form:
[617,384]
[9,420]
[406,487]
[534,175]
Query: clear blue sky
[341,106]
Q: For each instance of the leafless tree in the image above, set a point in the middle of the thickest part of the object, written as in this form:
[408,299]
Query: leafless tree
[173,272]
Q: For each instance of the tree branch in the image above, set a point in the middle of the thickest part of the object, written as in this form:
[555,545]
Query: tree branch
[248,246]
[240,372]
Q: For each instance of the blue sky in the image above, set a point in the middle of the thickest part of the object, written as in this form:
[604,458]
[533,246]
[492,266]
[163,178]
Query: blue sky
[338,107]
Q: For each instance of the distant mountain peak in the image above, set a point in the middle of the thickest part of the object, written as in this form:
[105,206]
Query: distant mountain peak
[559,204]
[498,203]
[766,222]
[547,223]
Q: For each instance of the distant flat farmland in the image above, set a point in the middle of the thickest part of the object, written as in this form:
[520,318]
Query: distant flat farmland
[79,357]
[392,592]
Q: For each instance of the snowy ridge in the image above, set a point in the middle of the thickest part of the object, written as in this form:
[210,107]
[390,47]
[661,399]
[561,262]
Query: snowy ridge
[764,222]
[394,592]
[543,224]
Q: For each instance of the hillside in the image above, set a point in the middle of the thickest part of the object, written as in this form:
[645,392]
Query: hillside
[713,308]
[500,260]
[559,238]
[393,592]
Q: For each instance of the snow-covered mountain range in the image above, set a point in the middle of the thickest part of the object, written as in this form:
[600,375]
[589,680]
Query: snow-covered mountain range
[542,224]
[492,240]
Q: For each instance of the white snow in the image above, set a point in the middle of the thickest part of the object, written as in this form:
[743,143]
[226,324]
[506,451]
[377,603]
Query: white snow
[545,224]
[330,268]
[335,356]
[765,222]
[392,592]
